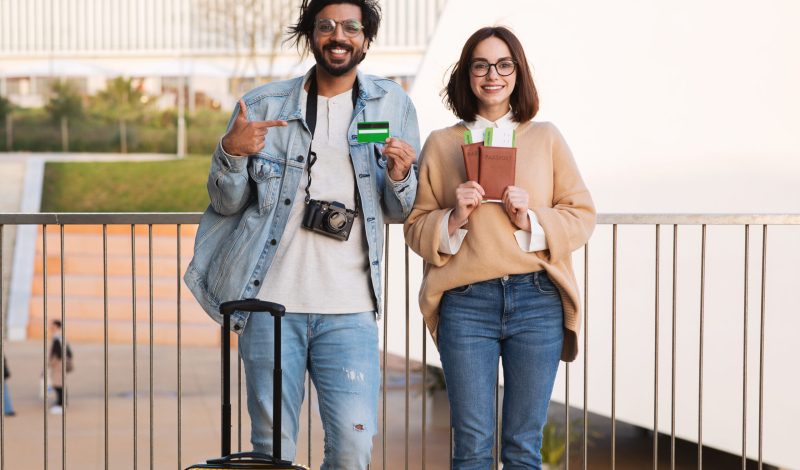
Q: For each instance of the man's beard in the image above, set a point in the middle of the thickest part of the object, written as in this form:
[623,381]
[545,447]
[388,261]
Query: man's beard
[337,70]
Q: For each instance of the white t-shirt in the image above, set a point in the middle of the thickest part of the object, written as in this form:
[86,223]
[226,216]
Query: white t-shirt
[312,272]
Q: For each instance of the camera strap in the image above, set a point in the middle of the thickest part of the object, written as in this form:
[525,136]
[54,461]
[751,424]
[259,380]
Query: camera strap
[311,121]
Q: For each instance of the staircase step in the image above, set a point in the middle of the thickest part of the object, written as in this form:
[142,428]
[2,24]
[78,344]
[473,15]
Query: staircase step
[119,308]
[83,266]
[117,265]
[121,332]
[164,287]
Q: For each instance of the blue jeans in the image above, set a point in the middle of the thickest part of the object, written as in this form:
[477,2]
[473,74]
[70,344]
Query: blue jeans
[341,355]
[517,319]
[8,407]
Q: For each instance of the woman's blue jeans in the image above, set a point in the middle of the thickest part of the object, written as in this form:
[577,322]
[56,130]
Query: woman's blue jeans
[517,319]
[341,354]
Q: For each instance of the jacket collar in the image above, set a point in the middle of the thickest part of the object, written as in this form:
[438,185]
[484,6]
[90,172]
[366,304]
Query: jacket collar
[368,89]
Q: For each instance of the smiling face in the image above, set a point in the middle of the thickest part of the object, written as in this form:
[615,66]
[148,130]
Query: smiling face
[336,53]
[493,91]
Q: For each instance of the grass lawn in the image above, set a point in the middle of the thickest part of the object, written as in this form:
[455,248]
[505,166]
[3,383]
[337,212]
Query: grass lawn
[164,186]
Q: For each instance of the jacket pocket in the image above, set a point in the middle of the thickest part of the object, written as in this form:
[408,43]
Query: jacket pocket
[266,174]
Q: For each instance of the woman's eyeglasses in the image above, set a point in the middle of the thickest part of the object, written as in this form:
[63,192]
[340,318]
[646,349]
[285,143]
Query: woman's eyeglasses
[326,26]
[504,68]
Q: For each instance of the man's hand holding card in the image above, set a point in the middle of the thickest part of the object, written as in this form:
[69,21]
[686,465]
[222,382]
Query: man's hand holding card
[400,155]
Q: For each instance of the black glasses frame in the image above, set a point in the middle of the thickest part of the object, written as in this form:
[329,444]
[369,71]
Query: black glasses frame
[490,65]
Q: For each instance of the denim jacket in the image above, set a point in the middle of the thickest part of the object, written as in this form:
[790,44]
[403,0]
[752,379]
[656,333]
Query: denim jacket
[251,197]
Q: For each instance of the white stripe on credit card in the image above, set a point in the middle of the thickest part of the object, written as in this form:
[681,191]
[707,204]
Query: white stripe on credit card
[372,131]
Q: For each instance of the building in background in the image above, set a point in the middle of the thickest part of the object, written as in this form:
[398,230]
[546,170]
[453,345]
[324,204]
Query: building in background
[212,49]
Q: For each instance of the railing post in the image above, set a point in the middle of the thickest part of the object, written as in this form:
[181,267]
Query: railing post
[2,359]
[761,347]
[655,346]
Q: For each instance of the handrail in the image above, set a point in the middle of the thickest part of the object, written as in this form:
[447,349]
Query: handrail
[163,218]
[606,307]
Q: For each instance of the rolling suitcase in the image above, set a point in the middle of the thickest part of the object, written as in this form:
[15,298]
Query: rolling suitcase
[249,460]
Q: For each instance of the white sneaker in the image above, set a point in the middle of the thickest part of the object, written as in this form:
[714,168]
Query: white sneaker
[56,410]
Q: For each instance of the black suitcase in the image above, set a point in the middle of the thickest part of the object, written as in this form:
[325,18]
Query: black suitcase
[249,460]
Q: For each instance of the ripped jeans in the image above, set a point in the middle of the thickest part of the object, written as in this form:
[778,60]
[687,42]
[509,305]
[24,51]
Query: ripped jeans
[341,355]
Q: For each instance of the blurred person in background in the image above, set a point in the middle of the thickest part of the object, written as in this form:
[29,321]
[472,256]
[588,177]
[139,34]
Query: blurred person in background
[8,406]
[59,352]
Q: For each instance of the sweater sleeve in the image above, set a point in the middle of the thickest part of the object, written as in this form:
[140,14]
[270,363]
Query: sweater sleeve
[570,222]
[423,225]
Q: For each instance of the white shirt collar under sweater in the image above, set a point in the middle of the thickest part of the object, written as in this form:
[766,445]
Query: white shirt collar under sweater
[481,122]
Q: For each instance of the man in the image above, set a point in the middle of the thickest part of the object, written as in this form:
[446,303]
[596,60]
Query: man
[8,406]
[299,221]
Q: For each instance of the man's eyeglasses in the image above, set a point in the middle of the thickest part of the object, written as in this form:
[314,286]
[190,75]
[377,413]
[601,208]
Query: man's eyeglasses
[504,68]
[326,26]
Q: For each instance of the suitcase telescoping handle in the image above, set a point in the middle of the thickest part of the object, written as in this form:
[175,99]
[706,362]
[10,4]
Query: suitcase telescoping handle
[277,311]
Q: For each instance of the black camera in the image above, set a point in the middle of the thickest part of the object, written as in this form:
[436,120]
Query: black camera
[329,218]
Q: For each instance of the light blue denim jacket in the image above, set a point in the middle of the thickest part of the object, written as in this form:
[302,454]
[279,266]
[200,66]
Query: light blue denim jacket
[251,198]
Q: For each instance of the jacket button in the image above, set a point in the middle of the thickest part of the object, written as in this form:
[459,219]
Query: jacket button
[300,158]
[256,283]
[287,201]
[273,242]
[237,327]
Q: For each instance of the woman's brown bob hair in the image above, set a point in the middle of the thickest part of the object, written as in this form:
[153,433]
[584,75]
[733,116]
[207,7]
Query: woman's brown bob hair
[458,95]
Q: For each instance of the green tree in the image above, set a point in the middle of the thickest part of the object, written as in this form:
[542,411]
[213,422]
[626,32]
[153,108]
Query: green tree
[6,107]
[123,102]
[65,104]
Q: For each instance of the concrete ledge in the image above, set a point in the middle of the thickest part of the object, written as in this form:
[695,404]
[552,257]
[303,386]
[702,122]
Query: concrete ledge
[24,252]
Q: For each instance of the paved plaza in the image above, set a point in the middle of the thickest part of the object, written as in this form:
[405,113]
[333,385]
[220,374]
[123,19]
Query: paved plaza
[199,418]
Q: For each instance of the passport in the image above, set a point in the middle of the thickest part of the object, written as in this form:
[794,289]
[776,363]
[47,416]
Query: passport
[497,170]
[472,159]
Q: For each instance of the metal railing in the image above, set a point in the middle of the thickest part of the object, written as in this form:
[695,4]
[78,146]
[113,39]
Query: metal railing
[610,221]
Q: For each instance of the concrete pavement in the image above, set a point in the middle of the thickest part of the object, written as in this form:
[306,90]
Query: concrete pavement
[24,446]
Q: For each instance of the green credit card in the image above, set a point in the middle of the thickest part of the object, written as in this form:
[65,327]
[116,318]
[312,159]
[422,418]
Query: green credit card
[373,131]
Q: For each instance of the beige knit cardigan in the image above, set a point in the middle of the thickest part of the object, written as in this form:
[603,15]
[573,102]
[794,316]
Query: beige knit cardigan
[557,195]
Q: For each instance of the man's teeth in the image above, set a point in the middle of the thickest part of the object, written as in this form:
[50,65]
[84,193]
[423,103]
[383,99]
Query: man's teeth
[338,51]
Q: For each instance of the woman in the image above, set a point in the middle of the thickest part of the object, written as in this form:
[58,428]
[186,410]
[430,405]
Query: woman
[55,367]
[498,280]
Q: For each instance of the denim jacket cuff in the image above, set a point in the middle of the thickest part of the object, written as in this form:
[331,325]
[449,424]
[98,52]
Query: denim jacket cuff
[400,186]
[233,164]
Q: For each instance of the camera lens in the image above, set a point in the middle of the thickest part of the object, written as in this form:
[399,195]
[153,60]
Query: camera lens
[336,221]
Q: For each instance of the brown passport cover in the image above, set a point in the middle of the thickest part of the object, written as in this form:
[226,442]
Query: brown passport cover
[497,170]
[471,159]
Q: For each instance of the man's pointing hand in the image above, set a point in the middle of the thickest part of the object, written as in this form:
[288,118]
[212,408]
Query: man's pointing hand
[247,137]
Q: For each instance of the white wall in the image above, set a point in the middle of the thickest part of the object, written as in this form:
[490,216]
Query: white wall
[669,107]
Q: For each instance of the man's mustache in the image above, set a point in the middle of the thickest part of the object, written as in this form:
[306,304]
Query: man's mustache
[338,45]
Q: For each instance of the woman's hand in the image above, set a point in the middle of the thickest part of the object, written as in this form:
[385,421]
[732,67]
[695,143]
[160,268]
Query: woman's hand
[468,198]
[515,202]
